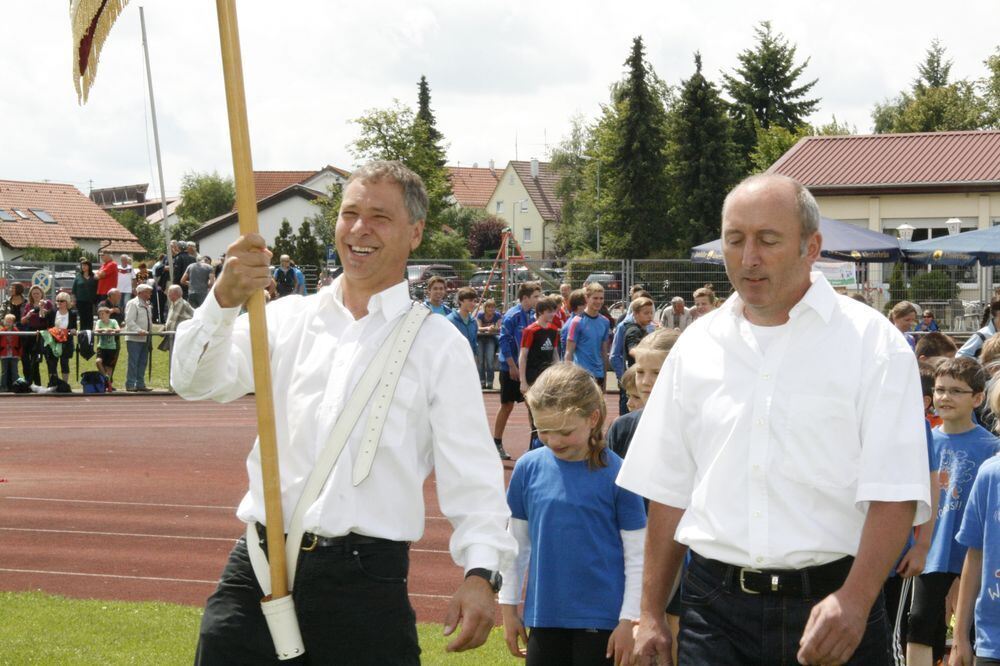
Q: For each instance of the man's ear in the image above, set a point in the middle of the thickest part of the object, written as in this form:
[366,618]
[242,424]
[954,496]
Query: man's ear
[417,234]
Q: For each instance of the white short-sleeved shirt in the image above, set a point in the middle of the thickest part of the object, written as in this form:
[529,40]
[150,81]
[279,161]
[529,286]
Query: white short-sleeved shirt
[775,455]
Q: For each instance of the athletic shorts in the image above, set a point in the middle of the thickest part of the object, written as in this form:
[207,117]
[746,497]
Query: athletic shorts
[510,390]
[109,356]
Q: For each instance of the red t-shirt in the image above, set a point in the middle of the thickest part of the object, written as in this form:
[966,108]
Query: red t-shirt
[110,279]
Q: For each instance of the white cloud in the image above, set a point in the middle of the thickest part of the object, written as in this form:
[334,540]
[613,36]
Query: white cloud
[496,70]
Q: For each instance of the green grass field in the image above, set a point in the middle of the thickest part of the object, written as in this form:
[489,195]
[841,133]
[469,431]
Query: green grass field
[38,628]
[158,360]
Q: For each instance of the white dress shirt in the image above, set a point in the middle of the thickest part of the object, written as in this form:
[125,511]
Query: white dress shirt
[437,418]
[775,455]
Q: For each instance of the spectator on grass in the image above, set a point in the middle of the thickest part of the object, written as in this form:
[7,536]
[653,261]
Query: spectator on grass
[351,585]
[65,321]
[107,275]
[973,345]
[126,279]
[927,323]
[773,464]
[15,301]
[181,263]
[10,352]
[37,314]
[85,294]
[199,279]
[115,310]
[105,330]
[138,326]
[934,344]
[180,311]
[488,322]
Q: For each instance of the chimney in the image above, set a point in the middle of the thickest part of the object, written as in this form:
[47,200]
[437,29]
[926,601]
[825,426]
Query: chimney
[475,165]
[534,168]
[492,168]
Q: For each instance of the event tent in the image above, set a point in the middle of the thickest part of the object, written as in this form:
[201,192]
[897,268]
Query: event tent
[964,249]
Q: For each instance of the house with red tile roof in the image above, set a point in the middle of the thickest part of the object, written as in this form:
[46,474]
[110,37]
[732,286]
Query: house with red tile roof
[922,180]
[526,198]
[280,195]
[473,186]
[56,216]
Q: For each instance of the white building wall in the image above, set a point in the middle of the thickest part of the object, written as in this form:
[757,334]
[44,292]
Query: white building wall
[296,209]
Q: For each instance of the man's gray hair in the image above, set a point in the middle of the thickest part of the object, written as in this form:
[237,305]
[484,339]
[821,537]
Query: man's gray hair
[414,193]
[808,209]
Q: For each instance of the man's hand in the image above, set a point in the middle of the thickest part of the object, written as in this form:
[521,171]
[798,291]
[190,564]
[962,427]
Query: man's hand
[834,630]
[652,641]
[514,633]
[961,652]
[620,643]
[247,270]
[913,562]
[473,607]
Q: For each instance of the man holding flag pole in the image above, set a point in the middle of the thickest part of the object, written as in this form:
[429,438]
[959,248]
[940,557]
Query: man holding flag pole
[373,397]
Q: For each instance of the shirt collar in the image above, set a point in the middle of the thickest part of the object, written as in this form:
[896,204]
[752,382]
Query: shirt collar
[390,302]
[820,297]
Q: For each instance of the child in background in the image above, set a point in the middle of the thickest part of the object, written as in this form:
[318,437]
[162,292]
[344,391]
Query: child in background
[580,536]
[107,349]
[634,401]
[488,322]
[961,447]
[927,371]
[577,303]
[10,352]
[979,589]
[539,350]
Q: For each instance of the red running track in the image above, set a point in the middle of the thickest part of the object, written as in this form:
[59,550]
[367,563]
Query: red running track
[134,498]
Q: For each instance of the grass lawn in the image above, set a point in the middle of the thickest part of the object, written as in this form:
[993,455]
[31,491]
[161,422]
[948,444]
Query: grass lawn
[43,629]
[157,358]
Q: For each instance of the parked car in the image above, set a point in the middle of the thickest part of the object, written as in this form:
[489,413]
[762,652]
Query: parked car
[612,283]
[418,275]
[62,281]
[478,282]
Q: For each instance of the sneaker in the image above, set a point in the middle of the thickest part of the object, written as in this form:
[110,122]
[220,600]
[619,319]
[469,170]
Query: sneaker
[130,389]
[503,453]
[143,389]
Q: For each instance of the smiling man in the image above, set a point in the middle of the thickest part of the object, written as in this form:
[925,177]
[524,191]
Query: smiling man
[350,589]
[783,443]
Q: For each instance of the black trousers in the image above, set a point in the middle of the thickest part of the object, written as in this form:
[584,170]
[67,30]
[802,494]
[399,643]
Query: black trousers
[351,603]
[567,647]
[927,621]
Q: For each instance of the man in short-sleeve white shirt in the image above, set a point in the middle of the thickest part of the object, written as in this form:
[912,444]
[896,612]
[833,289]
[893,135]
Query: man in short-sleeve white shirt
[783,438]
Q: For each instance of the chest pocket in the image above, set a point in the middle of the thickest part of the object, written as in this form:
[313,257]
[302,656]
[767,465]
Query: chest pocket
[819,442]
[407,403]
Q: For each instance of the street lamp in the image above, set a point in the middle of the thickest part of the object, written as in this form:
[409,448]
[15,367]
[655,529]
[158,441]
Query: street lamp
[905,232]
[954,226]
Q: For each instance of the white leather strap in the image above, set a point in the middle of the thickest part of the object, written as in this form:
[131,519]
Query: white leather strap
[382,374]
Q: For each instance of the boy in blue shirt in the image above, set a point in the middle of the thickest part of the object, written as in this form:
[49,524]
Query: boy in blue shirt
[515,321]
[436,290]
[574,306]
[980,582]
[588,342]
[462,317]
[961,447]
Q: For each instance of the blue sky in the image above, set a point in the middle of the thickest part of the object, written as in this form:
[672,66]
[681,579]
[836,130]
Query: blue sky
[498,72]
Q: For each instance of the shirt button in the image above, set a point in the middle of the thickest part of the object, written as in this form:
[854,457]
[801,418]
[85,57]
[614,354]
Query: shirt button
[765,376]
[756,514]
[760,422]
[759,560]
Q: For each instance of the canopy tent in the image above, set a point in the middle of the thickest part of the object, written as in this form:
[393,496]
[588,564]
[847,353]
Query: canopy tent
[964,249]
[841,242]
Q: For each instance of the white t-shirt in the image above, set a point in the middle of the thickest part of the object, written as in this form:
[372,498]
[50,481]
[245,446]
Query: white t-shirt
[125,277]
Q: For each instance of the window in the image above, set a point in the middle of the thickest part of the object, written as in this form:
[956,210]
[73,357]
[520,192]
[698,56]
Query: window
[526,235]
[43,215]
[499,206]
[510,179]
[20,213]
[6,217]
[524,205]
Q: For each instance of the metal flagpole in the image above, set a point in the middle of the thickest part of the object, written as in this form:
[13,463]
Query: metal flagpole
[278,608]
[156,143]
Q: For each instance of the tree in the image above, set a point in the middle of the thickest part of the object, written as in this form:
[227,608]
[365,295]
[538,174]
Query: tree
[460,220]
[485,236]
[765,87]
[991,89]
[577,230]
[424,113]
[325,221]
[308,249]
[637,180]
[205,196]
[933,104]
[284,242]
[150,235]
[774,142]
[704,161]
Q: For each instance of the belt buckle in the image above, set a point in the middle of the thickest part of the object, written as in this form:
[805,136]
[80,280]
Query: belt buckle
[743,586]
[312,546]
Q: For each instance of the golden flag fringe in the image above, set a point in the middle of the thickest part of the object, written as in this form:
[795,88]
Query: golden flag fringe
[91,21]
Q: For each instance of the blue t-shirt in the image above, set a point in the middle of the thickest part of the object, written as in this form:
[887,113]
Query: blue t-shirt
[515,321]
[467,328]
[933,462]
[438,309]
[576,576]
[981,529]
[484,321]
[589,334]
[960,457]
[563,334]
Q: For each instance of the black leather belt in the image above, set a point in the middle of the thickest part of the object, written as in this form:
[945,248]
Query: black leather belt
[311,542]
[819,580]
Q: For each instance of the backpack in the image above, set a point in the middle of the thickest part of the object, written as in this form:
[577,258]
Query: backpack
[93,382]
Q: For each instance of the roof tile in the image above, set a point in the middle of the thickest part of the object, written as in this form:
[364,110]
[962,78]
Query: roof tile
[542,190]
[473,186]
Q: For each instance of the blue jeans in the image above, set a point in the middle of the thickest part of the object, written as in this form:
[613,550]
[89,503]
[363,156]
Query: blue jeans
[720,624]
[486,355]
[138,356]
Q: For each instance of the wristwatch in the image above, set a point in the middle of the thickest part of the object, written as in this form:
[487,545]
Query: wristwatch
[492,577]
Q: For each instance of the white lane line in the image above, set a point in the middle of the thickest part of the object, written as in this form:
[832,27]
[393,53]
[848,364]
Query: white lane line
[119,534]
[79,501]
[98,575]
[414,594]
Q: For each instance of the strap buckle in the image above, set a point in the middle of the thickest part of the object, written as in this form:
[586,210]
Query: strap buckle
[743,585]
[312,546]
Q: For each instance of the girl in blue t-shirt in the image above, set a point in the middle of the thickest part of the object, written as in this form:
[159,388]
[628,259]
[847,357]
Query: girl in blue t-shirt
[580,536]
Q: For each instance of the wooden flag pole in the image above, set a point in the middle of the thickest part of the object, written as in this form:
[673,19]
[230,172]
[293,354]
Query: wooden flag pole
[246,206]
